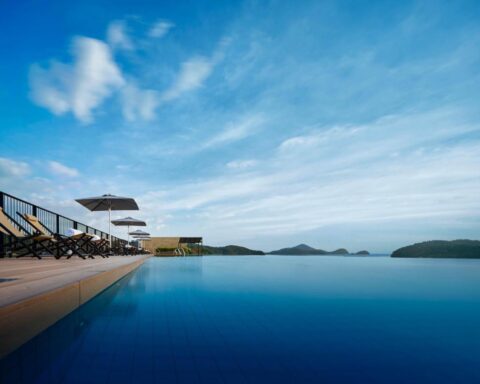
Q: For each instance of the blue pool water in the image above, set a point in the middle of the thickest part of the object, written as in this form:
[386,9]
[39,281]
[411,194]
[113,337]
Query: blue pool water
[251,319]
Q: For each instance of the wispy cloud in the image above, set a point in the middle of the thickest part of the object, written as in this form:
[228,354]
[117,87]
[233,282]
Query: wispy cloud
[193,73]
[160,29]
[241,164]
[60,169]
[80,86]
[139,103]
[320,136]
[9,167]
[235,131]
[384,171]
[117,36]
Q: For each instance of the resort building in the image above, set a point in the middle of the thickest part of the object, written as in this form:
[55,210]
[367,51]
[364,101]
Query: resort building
[174,246]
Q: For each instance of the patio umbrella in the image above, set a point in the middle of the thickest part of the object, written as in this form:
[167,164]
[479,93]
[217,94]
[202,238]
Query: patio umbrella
[109,203]
[129,221]
[140,236]
[139,232]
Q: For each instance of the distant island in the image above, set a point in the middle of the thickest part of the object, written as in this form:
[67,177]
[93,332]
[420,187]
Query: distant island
[362,253]
[458,249]
[304,249]
[230,250]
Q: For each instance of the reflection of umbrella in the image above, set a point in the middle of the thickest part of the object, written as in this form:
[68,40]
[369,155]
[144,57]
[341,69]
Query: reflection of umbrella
[139,232]
[129,221]
[109,203]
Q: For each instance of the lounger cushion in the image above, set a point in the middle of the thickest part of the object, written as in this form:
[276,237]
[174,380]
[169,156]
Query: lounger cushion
[71,232]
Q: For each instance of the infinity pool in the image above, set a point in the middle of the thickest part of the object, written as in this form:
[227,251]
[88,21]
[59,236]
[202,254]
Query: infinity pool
[259,319]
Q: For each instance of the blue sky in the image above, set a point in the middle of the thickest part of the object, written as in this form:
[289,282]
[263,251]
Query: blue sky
[260,123]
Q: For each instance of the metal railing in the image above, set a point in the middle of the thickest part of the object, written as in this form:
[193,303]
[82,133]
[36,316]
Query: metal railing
[53,221]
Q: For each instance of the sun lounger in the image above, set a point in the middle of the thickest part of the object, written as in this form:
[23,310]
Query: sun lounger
[65,245]
[99,246]
[74,244]
[129,250]
[78,243]
[22,243]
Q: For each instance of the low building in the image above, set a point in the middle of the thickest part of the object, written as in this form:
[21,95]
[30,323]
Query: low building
[174,246]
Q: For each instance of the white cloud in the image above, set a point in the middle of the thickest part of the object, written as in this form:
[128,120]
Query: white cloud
[241,164]
[160,29]
[117,36]
[60,169]
[193,73]
[9,167]
[139,103]
[81,86]
[318,137]
[236,131]
[345,176]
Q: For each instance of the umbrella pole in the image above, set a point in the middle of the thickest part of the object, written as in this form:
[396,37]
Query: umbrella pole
[109,225]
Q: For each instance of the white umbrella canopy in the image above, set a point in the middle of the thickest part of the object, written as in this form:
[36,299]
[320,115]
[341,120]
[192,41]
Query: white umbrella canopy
[128,222]
[108,203]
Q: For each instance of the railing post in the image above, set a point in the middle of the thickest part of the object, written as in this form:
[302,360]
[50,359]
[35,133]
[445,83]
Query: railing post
[2,236]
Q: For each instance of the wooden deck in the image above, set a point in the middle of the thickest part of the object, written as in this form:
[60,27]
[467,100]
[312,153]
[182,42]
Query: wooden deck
[34,294]
[24,278]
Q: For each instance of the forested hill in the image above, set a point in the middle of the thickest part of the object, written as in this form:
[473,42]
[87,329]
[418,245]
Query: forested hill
[230,250]
[461,249]
[304,249]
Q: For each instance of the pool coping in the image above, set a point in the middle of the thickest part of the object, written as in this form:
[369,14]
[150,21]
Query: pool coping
[22,320]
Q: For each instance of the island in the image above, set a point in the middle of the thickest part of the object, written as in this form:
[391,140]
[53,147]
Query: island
[233,250]
[304,249]
[457,249]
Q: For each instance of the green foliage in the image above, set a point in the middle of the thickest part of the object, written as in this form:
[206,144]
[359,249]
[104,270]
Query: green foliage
[303,249]
[362,253]
[468,249]
[230,250]
[340,251]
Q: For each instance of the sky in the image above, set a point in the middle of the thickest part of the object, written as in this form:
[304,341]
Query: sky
[266,124]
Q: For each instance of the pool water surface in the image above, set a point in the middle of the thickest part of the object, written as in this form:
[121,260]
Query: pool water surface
[259,319]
